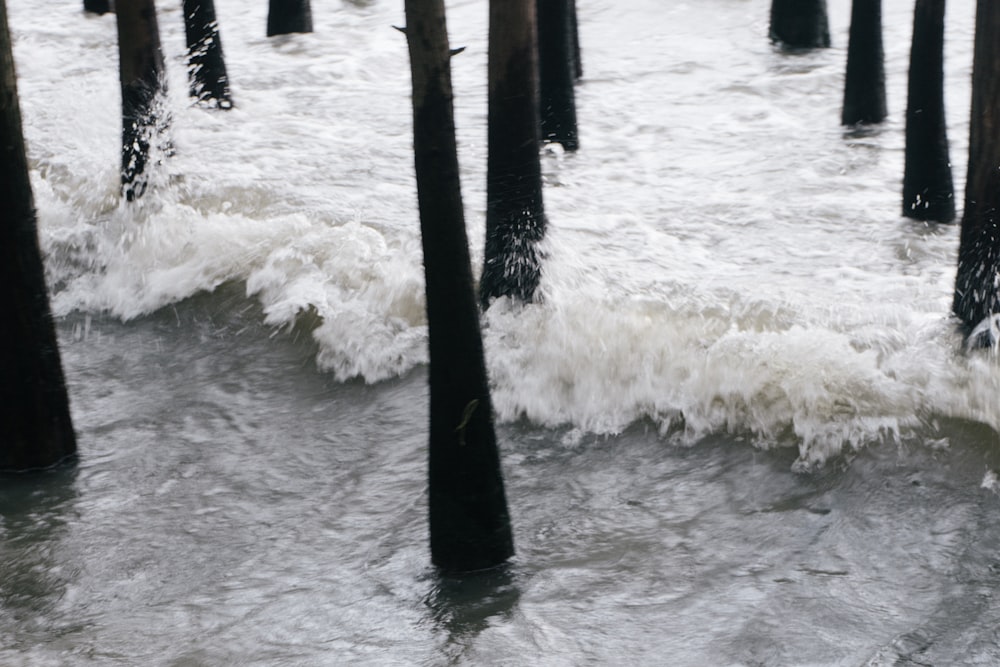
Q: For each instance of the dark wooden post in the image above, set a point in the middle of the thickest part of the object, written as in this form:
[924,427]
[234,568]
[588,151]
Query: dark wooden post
[800,24]
[142,81]
[864,83]
[287,16]
[515,215]
[575,33]
[976,282]
[928,191]
[469,521]
[35,426]
[557,100]
[206,66]
[97,6]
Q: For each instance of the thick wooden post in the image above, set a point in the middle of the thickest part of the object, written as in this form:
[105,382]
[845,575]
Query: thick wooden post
[288,16]
[864,82]
[928,191]
[209,82]
[977,282]
[515,215]
[556,72]
[469,521]
[799,24]
[35,426]
[142,81]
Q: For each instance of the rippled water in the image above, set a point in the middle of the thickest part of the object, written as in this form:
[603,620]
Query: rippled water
[737,430]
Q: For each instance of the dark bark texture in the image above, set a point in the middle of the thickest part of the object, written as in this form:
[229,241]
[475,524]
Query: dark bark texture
[469,521]
[799,24]
[142,82]
[97,6]
[515,215]
[864,82]
[976,283]
[209,82]
[35,426]
[556,70]
[928,190]
[288,16]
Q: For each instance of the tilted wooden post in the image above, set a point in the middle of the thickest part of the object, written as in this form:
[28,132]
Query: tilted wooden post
[35,426]
[207,75]
[556,72]
[469,521]
[864,82]
[142,82]
[288,16]
[799,24]
[977,283]
[515,215]
[928,191]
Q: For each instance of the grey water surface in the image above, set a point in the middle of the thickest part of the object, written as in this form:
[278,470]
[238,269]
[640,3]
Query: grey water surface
[738,428]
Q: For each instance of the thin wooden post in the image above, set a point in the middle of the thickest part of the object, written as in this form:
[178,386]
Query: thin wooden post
[36,430]
[207,75]
[515,215]
[799,24]
[928,190]
[469,521]
[142,80]
[97,6]
[288,16]
[864,82]
[556,69]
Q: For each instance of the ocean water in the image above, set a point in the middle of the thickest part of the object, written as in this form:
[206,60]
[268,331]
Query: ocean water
[738,428]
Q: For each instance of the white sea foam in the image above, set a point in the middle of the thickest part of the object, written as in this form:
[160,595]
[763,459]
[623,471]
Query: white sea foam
[721,256]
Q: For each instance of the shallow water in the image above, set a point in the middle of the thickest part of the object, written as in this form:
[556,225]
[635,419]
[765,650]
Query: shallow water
[737,430]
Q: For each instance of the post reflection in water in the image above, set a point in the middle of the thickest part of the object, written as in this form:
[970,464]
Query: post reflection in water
[463,605]
[36,510]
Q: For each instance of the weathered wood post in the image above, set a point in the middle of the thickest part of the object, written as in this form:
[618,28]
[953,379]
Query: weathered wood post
[209,82]
[928,191]
[288,16]
[97,6]
[515,215]
[35,426]
[142,82]
[556,70]
[799,24]
[864,82]
[977,283]
[469,521]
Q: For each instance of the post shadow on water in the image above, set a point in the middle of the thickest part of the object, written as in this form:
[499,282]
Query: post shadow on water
[35,510]
[463,605]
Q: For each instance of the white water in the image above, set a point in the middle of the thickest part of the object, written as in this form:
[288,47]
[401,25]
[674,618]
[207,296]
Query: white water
[719,249]
[724,262]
